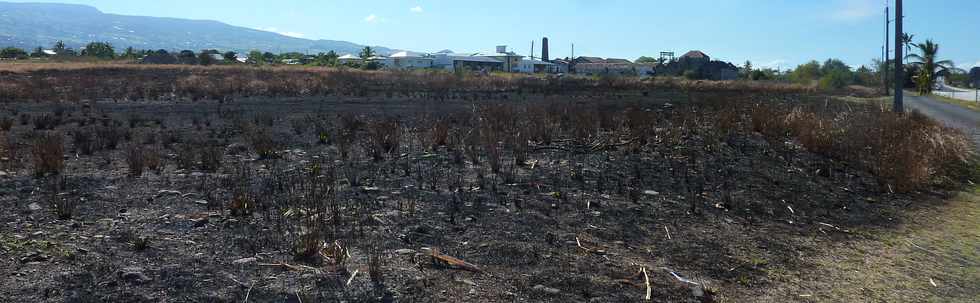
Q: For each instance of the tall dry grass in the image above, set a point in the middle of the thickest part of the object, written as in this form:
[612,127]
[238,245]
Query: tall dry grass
[96,81]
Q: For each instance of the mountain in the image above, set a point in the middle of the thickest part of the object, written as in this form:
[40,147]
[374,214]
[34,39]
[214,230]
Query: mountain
[29,25]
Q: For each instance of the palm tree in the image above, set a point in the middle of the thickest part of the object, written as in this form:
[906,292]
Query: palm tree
[927,63]
[907,41]
[367,53]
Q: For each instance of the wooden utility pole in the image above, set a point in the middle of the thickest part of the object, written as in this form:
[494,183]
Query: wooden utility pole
[884,57]
[899,69]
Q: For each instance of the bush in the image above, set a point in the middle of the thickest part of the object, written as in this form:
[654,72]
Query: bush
[48,151]
[6,123]
[46,122]
[835,79]
[84,141]
[136,160]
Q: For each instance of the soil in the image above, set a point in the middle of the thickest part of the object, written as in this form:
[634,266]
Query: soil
[574,223]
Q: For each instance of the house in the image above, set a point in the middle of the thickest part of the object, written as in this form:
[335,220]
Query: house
[694,59]
[465,62]
[348,58]
[408,60]
[511,61]
[158,57]
[560,66]
[614,69]
[584,59]
[617,61]
[532,66]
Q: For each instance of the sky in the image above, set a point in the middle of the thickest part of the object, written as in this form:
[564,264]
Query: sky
[770,33]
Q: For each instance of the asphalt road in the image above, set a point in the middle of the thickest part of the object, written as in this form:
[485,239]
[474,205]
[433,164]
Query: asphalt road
[957,93]
[952,115]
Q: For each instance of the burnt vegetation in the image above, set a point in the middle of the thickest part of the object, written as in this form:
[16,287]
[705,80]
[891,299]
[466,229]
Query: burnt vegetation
[464,183]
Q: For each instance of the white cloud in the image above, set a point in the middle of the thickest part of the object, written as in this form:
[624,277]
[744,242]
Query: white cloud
[852,10]
[284,33]
[416,9]
[371,18]
[976,64]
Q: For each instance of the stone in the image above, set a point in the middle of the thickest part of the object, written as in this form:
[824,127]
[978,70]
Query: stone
[650,192]
[167,192]
[405,251]
[134,275]
[198,222]
[33,257]
[34,207]
[201,202]
[197,174]
[245,261]
[547,290]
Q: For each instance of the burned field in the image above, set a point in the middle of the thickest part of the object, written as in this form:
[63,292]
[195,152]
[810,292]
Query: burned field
[679,195]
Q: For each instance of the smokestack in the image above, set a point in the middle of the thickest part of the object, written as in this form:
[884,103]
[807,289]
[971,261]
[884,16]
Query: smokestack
[544,49]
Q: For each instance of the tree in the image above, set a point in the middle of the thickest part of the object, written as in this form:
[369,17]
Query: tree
[929,67]
[230,57]
[12,53]
[907,41]
[268,57]
[204,58]
[746,72]
[59,47]
[647,60]
[806,73]
[367,53]
[129,53]
[187,57]
[38,52]
[101,50]
[255,57]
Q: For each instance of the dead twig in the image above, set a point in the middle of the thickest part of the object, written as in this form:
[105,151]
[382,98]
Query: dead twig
[646,280]
[352,276]
[249,292]
[454,262]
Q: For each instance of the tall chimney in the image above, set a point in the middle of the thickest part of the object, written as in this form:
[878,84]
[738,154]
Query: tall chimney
[544,49]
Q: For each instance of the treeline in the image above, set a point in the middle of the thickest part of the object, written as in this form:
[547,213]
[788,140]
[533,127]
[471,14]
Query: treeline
[106,51]
[831,74]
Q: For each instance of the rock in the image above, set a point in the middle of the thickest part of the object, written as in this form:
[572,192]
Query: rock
[198,222]
[35,256]
[650,192]
[201,202]
[3,174]
[197,174]
[468,282]
[134,275]
[405,251]
[547,290]
[244,261]
[34,207]
[167,192]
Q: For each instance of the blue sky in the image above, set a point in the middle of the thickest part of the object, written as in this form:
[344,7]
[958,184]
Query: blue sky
[773,33]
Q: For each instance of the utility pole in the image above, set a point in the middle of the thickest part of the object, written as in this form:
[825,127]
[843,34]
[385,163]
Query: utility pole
[899,69]
[884,56]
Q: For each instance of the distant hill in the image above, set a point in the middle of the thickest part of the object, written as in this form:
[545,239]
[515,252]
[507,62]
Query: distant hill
[29,25]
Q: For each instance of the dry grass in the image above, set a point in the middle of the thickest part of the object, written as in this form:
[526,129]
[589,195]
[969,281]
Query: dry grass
[88,81]
[48,150]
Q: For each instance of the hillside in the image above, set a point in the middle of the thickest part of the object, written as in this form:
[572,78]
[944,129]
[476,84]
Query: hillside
[28,25]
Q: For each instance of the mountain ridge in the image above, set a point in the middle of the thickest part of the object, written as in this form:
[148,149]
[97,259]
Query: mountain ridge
[29,25]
